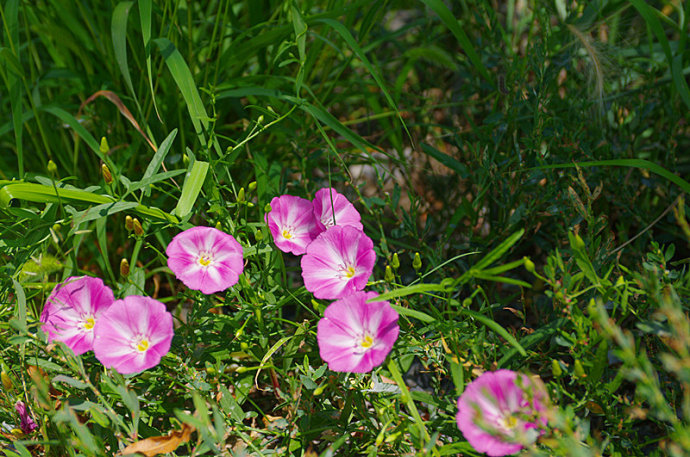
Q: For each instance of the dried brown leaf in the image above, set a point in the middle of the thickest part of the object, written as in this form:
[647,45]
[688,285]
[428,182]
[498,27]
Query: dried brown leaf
[160,444]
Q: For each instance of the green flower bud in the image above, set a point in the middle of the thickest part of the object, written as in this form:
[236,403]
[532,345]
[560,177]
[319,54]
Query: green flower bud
[417,262]
[104,148]
[244,346]
[529,265]
[267,208]
[52,168]
[129,223]
[578,369]
[259,235]
[219,226]
[240,195]
[388,275]
[252,186]
[395,262]
[556,368]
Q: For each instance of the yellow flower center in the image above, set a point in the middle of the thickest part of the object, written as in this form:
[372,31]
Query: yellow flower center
[366,342]
[205,260]
[143,345]
[89,323]
[509,422]
[286,234]
[350,272]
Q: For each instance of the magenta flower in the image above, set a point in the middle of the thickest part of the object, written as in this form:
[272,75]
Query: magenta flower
[72,310]
[291,222]
[356,336]
[338,262]
[326,201]
[133,334]
[26,423]
[205,259]
[501,412]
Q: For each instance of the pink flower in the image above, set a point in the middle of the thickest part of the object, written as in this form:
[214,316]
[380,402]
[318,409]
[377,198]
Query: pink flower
[338,262]
[325,201]
[205,259]
[133,334]
[26,423]
[501,412]
[356,336]
[72,310]
[291,222]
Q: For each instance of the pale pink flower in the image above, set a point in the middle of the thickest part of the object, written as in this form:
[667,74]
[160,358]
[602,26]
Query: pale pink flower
[356,336]
[338,262]
[501,412]
[72,310]
[205,259]
[292,224]
[133,334]
[326,201]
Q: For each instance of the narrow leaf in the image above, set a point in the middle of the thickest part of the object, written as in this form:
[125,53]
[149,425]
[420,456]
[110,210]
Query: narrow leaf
[191,188]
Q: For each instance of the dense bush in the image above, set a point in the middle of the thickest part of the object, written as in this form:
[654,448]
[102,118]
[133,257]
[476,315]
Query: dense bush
[517,165]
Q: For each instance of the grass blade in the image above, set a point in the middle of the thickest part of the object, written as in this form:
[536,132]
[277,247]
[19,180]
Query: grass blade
[118,32]
[501,249]
[145,8]
[493,325]
[191,188]
[452,23]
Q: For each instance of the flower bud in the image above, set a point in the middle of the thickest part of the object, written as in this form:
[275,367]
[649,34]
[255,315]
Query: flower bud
[259,235]
[6,381]
[107,176]
[260,120]
[556,368]
[104,148]
[578,369]
[244,346]
[138,229]
[417,262]
[129,223]
[52,168]
[267,208]
[252,186]
[395,262]
[124,268]
[219,226]
[240,195]
[529,265]
[388,275]
[56,227]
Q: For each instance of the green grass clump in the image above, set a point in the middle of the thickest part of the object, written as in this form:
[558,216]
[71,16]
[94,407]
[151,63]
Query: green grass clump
[518,165]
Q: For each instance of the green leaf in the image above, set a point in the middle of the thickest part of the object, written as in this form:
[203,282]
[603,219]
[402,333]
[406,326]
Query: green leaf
[498,252]
[409,290]
[191,188]
[118,31]
[185,82]
[493,325]
[449,20]
[411,313]
[446,160]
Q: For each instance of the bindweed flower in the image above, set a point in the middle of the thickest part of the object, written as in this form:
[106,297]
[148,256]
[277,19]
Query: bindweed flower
[133,334]
[292,224]
[326,201]
[338,262]
[205,259]
[356,336]
[72,310]
[26,423]
[501,412]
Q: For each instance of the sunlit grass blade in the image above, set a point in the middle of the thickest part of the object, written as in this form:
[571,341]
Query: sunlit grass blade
[191,188]
[38,193]
[499,251]
[493,325]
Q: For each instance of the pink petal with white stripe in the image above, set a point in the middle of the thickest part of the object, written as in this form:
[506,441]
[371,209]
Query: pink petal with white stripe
[338,262]
[332,208]
[72,310]
[205,259]
[355,336]
[292,224]
[133,335]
